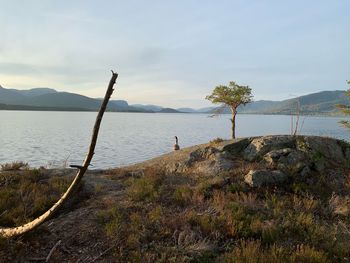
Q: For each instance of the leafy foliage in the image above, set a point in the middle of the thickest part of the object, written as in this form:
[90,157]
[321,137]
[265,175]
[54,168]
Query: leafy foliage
[232,95]
[345,109]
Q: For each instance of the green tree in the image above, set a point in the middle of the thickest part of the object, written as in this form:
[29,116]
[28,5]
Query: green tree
[232,96]
[345,109]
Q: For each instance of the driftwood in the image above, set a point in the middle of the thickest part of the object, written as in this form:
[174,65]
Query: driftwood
[15,231]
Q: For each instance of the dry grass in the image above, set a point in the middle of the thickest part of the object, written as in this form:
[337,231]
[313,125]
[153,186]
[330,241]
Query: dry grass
[26,194]
[162,217]
[216,141]
[219,218]
[340,205]
[14,166]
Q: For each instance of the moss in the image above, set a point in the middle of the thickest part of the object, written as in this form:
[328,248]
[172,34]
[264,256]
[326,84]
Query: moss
[301,144]
[317,157]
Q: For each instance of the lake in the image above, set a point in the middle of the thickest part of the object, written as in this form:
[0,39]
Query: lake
[52,139]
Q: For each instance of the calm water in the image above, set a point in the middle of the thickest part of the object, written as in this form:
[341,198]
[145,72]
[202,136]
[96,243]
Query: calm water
[50,138]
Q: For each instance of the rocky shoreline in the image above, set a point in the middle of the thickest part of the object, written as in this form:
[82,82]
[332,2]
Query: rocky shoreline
[283,157]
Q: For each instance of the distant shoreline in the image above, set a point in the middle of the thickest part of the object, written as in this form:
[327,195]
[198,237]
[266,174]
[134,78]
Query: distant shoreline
[4,107]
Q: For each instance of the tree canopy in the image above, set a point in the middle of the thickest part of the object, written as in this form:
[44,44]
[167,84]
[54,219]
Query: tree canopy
[232,95]
[345,109]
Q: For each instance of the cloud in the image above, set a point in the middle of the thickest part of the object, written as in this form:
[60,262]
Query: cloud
[167,52]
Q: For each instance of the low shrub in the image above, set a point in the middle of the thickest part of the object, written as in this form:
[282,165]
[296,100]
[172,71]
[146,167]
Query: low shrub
[25,195]
[14,166]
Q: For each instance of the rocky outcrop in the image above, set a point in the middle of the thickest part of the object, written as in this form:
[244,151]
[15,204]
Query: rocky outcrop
[329,148]
[292,156]
[207,160]
[262,145]
[298,154]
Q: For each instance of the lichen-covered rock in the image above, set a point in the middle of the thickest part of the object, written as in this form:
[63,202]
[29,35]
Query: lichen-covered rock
[214,163]
[337,178]
[273,156]
[213,167]
[258,178]
[208,160]
[236,146]
[293,163]
[324,147]
[347,153]
[262,145]
[292,155]
[200,155]
[305,172]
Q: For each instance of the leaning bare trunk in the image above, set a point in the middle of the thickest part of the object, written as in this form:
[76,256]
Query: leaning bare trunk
[15,231]
[233,121]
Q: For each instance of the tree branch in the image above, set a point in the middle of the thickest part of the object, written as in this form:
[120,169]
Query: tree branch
[15,231]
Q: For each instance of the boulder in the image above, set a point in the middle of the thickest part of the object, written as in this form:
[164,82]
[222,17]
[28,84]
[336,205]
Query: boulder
[200,155]
[214,164]
[306,171]
[338,179]
[273,156]
[258,178]
[235,146]
[294,162]
[262,145]
[213,167]
[347,153]
[324,148]
[208,160]
[222,162]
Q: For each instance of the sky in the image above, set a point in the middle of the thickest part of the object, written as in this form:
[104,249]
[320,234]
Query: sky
[173,53]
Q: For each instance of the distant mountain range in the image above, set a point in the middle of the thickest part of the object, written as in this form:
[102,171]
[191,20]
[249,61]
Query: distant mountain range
[321,103]
[49,99]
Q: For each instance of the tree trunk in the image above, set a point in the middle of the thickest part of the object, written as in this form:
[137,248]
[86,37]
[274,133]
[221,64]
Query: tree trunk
[233,121]
[15,231]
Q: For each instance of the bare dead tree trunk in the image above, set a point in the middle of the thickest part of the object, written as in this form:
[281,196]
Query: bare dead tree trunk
[15,231]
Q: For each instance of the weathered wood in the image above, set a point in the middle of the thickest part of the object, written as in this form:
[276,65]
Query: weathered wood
[15,231]
[52,250]
[102,254]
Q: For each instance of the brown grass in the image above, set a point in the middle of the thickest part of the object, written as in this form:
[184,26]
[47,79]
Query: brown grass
[162,217]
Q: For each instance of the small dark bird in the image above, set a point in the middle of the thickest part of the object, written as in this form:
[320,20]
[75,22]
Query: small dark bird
[176,145]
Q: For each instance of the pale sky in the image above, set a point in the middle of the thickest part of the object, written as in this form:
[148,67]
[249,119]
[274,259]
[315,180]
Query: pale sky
[173,53]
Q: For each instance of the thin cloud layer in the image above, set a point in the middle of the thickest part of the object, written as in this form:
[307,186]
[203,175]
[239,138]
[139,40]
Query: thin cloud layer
[174,53]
